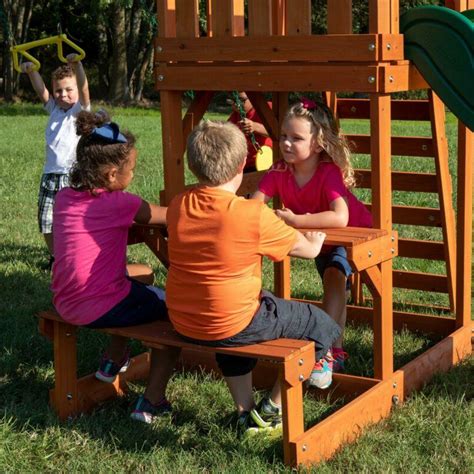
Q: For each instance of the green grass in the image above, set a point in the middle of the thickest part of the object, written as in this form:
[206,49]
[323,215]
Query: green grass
[433,430]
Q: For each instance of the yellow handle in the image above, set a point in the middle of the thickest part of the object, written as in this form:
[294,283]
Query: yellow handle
[58,40]
[264,158]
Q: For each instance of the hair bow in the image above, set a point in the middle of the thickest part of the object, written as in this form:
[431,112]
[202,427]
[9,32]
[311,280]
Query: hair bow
[308,104]
[109,132]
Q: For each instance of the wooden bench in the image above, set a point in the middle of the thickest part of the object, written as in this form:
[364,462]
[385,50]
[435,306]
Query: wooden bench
[71,395]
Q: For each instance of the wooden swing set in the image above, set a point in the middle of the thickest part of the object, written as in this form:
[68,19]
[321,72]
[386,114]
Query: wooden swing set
[276,53]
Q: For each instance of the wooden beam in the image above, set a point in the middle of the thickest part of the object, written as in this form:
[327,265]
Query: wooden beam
[464,225]
[281,77]
[315,48]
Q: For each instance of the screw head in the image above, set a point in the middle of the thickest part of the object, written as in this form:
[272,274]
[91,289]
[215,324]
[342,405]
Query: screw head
[161,77]
[424,147]
[304,448]
[395,400]
[300,362]
[158,49]
[369,254]
[301,378]
[69,396]
[371,79]
[371,47]
[389,46]
[390,78]
[353,109]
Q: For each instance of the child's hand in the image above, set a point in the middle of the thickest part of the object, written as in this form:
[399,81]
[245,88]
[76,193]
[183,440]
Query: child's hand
[287,215]
[72,58]
[316,238]
[27,67]
[246,126]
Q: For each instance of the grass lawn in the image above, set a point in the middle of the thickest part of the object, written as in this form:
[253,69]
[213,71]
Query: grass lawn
[432,431]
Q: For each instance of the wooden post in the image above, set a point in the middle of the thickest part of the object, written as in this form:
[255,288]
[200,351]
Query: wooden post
[384,16]
[380,146]
[64,396]
[443,178]
[339,17]
[464,227]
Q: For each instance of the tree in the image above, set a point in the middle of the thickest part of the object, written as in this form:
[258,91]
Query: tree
[15,16]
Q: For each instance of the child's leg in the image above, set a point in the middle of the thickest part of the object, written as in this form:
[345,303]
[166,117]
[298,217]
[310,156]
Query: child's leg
[240,388]
[48,238]
[334,299]
[140,272]
[162,363]
[117,348]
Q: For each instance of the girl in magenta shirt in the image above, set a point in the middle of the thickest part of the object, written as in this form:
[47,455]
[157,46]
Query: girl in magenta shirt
[313,182]
[92,284]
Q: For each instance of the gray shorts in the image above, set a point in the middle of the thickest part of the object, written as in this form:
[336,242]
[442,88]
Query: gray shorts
[50,184]
[277,318]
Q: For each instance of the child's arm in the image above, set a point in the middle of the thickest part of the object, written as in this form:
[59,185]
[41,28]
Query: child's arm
[36,81]
[81,78]
[308,245]
[150,214]
[337,216]
[260,196]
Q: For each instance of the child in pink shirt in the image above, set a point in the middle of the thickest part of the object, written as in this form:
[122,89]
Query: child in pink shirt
[313,182]
[92,284]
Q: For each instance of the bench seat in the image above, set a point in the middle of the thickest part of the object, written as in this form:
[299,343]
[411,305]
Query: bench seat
[293,359]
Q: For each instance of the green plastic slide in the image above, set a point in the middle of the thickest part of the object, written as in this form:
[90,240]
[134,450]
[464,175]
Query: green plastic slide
[440,42]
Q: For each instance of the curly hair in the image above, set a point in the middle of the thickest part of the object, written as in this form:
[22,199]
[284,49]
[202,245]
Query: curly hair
[94,154]
[328,136]
[62,71]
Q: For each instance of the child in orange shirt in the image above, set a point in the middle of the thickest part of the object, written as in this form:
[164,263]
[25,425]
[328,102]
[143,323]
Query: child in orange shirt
[214,289]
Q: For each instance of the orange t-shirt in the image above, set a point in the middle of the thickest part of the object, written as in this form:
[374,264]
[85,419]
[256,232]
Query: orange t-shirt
[216,241]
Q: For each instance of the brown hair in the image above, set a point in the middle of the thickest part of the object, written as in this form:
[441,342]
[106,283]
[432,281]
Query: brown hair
[94,154]
[215,151]
[328,136]
[62,71]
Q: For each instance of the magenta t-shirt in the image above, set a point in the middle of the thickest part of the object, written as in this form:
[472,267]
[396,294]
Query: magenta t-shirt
[325,186]
[90,245]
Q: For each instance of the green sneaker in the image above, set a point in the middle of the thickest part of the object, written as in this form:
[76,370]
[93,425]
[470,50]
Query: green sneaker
[264,418]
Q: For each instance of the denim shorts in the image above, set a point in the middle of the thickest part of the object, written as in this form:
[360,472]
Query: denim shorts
[142,305]
[337,258]
[274,319]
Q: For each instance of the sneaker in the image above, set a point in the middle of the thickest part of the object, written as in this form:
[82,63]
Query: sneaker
[146,412]
[108,369]
[265,417]
[321,376]
[339,357]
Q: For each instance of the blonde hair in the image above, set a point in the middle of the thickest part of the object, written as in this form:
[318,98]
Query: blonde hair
[215,151]
[328,136]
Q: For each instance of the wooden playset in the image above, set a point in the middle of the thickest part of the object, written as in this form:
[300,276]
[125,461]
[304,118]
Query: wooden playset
[275,52]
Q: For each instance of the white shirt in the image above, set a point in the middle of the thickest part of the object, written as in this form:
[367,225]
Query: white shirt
[61,137]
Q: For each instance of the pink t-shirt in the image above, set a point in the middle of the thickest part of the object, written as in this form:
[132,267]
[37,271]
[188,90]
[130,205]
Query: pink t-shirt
[325,186]
[90,244]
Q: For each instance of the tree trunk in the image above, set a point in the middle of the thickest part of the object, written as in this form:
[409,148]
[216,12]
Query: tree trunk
[118,90]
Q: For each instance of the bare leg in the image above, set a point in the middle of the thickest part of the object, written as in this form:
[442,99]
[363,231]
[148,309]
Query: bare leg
[162,363]
[48,238]
[275,394]
[241,390]
[142,273]
[334,299]
[116,348]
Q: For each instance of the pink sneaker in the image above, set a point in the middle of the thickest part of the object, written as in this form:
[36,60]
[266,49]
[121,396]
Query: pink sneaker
[339,357]
[321,376]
